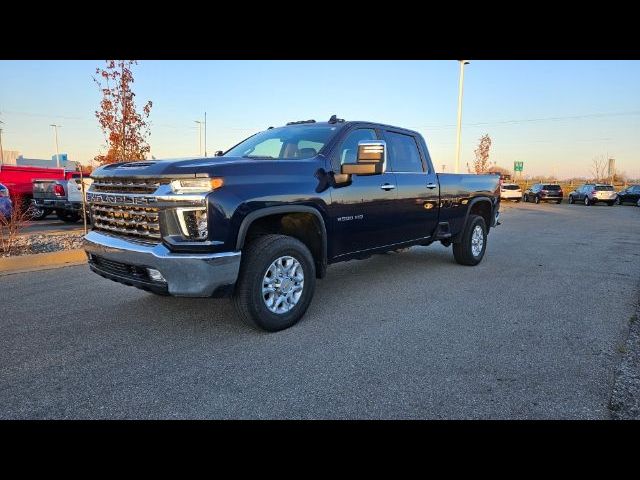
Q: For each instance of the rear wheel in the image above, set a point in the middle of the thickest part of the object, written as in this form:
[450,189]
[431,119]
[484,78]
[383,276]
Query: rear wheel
[276,282]
[618,201]
[587,203]
[571,199]
[611,204]
[39,213]
[536,199]
[473,243]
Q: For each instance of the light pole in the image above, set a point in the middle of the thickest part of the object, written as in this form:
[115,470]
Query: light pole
[205,134]
[55,129]
[199,137]
[462,64]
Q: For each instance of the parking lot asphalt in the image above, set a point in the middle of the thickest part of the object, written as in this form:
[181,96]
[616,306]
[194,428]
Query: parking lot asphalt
[50,225]
[534,331]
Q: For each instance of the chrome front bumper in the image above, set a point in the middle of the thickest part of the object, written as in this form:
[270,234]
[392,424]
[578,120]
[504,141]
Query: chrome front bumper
[185,274]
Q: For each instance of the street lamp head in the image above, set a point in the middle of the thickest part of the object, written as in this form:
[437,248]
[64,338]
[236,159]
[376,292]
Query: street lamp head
[465,62]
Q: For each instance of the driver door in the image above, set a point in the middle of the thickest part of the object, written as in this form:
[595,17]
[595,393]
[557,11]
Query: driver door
[362,213]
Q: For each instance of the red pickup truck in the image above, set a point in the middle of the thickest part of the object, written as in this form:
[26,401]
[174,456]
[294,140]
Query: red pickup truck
[19,181]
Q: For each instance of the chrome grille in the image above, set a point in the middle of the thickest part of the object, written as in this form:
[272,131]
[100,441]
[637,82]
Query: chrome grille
[129,220]
[127,185]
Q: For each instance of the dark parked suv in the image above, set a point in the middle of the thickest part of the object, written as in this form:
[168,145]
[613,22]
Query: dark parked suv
[629,195]
[543,192]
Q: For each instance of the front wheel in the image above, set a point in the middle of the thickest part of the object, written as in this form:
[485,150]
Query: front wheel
[618,201]
[571,199]
[276,282]
[473,243]
[536,199]
[587,203]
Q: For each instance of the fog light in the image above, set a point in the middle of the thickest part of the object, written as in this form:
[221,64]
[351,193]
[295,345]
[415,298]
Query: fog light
[155,275]
[193,222]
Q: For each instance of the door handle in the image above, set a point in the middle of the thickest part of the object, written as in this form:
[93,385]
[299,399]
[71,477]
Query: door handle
[387,186]
[431,185]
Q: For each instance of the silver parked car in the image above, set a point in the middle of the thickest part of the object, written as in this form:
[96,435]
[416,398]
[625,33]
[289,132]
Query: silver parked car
[592,193]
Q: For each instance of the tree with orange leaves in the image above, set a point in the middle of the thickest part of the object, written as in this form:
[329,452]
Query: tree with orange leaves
[481,164]
[125,130]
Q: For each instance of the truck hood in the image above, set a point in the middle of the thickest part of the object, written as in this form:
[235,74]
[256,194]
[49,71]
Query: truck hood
[215,166]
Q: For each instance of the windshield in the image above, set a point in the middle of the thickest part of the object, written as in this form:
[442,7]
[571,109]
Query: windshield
[605,188]
[551,187]
[285,143]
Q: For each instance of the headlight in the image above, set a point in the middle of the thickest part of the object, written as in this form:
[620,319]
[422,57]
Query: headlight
[196,185]
[193,223]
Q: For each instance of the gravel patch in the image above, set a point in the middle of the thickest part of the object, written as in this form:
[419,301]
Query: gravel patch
[625,399]
[41,243]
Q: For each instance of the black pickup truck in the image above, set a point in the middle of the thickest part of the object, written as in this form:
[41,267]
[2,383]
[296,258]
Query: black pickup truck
[261,221]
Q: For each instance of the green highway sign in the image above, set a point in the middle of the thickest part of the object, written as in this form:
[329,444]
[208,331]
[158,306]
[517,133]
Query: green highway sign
[517,166]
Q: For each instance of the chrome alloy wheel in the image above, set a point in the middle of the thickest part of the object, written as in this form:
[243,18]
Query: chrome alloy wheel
[477,241]
[282,284]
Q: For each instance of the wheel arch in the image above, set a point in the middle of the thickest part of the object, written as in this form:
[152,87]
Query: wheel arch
[290,220]
[482,206]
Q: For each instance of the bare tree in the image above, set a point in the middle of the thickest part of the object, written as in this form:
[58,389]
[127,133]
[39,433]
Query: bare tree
[481,164]
[10,226]
[599,165]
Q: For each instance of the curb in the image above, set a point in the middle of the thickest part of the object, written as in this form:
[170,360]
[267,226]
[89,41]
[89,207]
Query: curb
[42,261]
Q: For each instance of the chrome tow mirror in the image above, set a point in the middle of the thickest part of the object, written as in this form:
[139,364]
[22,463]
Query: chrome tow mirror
[371,159]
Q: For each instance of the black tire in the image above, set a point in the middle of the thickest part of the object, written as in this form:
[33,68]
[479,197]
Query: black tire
[524,199]
[517,200]
[536,199]
[67,217]
[39,213]
[571,201]
[559,202]
[611,204]
[618,201]
[462,251]
[257,257]
[587,202]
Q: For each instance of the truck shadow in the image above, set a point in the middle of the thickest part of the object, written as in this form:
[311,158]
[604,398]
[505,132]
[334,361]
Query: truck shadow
[337,287]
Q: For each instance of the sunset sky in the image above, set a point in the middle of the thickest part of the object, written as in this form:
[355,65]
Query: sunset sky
[556,116]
